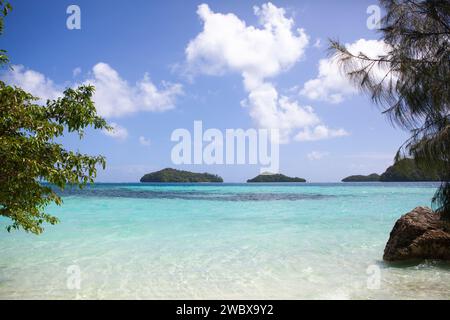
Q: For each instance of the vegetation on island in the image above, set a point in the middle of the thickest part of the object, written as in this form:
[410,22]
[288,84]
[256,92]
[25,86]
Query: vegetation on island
[404,170]
[174,175]
[407,170]
[361,178]
[29,153]
[275,178]
[414,89]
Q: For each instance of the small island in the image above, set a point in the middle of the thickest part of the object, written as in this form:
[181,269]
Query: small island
[404,170]
[361,178]
[174,175]
[268,177]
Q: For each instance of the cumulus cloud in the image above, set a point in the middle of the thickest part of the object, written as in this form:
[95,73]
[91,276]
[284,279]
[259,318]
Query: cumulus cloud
[331,84]
[144,141]
[33,82]
[319,132]
[113,97]
[316,155]
[258,53]
[270,110]
[226,42]
[118,132]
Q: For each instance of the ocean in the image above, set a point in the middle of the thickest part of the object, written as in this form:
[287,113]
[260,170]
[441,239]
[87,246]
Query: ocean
[221,241]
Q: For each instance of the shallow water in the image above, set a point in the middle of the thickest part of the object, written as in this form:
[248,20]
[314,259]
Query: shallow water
[213,241]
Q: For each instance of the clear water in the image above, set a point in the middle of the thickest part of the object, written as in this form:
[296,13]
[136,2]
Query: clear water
[211,241]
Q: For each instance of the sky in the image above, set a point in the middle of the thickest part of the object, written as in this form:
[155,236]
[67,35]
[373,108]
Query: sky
[159,66]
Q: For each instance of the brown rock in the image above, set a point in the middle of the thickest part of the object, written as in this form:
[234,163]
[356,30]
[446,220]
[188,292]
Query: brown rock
[417,235]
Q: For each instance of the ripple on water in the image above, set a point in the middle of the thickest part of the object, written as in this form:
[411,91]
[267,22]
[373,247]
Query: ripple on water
[211,242]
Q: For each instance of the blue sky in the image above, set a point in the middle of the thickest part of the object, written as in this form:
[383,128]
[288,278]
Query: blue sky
[149,85]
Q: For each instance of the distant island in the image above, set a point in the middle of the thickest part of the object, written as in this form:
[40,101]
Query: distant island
[266,177]
[404,170]
[362,178]
[174,175]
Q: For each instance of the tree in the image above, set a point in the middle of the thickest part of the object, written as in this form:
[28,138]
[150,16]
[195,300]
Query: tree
[415,89]
[29,154]
[5,8]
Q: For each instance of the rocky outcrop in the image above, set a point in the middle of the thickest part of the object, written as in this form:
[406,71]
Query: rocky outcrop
[417,235]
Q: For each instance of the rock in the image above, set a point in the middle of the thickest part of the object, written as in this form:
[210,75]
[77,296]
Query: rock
[417,235]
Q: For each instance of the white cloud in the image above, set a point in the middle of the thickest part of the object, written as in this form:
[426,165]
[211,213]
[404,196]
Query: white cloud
[270,110]
[114,97]
[144,141]
[320,132]
[32,81]
[331,84]
[316,155]
[76,71]
[227,43]
[118,132]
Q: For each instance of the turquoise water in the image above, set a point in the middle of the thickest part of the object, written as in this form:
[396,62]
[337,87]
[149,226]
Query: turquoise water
[211,241]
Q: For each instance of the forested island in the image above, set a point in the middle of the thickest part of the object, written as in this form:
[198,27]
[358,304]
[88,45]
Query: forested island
[404,170]
[275,178]
[362,178]
[174,175]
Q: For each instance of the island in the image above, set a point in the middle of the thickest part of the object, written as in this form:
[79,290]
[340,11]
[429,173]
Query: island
[361,178]
[174,175]
[267,177]
[404,170]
